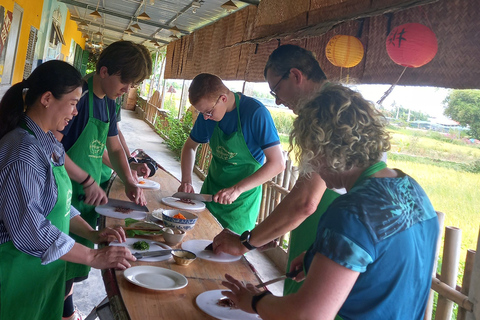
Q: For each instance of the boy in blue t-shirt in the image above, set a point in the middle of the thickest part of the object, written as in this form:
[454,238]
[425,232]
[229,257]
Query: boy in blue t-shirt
[246,151]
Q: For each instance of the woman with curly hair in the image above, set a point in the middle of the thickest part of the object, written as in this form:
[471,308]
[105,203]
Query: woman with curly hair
[375,246]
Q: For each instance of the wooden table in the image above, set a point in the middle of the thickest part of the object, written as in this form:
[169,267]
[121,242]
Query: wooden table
[129,301]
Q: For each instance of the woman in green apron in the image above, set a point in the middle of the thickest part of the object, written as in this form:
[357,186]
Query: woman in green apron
[235,175]
[375,247]
[36,196]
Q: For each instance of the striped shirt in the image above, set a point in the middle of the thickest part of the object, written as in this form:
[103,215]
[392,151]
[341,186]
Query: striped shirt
[29,192]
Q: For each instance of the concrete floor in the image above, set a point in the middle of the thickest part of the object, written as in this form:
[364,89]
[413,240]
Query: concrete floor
[139,135]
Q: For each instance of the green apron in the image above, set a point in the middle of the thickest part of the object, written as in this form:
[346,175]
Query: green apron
[302,237]
[232,162]
[87,153]
[106,170]
[28,289]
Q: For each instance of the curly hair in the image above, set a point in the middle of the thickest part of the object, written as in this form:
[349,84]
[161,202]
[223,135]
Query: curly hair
[338,130]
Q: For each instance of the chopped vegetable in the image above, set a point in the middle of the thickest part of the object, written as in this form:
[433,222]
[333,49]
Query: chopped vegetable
[141,182]
[141,245]
[179,216]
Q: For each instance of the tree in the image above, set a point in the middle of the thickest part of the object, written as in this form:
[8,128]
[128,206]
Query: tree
[464,106]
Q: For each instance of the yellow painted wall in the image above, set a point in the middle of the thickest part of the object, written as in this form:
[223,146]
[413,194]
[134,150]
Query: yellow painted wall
[70,33]
[32,14]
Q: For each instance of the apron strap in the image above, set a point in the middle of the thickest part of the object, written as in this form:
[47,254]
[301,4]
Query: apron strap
[90,99]
[370,171]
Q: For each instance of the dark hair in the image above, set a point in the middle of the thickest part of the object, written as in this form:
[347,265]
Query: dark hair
[55,76]
[206,85]
[131,61]
[289,56]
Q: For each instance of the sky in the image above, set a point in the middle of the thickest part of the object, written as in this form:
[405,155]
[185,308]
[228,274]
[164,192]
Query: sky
[428,100]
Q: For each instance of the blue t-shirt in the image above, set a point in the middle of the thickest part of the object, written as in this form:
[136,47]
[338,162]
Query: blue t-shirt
[386,229]
[75,127]
[258,128]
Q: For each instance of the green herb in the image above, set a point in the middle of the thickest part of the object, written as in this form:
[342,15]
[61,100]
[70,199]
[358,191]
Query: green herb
[141,245]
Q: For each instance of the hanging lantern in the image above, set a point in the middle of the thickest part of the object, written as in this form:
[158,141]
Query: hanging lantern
[412,45]
[344,51]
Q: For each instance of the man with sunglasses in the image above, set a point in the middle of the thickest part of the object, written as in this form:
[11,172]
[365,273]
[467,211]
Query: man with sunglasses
[293,75]
[246,151]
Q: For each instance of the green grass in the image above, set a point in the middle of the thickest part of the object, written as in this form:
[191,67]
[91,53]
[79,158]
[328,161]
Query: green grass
[451,192]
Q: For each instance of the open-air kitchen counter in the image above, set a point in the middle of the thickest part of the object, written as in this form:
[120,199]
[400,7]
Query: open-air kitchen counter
[133,301]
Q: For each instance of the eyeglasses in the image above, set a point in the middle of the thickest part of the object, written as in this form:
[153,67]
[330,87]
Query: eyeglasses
[209,114]
[284,76]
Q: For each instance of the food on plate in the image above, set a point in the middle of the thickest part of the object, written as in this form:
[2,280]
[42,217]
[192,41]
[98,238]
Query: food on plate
[186,201]
[226,302]
[179,216]
[123,210]
[145,225]
[141,245]
[141,182]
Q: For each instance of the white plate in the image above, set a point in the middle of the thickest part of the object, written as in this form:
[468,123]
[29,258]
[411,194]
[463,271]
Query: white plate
[154,246]
[148,184]
[207,302]
[155,278]
[173,202]
[198,246]
[108,210]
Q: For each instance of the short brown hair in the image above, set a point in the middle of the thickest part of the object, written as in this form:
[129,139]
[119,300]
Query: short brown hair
[131,61]
[206,85]
[289,56]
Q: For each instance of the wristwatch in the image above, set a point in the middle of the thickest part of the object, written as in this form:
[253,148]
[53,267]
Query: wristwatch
[245,240]
[132,159]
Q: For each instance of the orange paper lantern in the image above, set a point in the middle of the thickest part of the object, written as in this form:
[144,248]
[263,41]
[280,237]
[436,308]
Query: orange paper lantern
[344,51]
[412,45]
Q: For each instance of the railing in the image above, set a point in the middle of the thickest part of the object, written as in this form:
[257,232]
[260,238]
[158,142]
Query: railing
[449,293]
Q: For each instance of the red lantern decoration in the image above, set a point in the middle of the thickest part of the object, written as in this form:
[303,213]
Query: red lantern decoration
[412,45]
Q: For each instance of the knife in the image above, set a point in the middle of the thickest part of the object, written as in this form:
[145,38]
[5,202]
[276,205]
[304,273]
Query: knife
[194,196]
[148,254]
[291,274]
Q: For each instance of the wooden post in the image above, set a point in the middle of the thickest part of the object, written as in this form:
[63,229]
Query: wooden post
[467,276]
[474,294]
[451,255]
[429,309]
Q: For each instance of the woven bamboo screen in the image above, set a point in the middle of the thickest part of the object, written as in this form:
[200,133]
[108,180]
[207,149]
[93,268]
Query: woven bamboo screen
[230,47]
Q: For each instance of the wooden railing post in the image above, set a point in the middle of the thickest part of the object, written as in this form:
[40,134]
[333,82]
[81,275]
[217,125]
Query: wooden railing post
[429,309]
[451,256]
[474,294]
[467,277]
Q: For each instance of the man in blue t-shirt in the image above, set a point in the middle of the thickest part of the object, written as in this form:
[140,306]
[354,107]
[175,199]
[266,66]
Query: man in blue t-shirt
[246,151]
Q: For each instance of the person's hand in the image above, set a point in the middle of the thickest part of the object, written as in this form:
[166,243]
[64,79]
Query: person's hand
[110,234]
[229,242]
[240,294]
[135,194]
[140,169]
[94,195]
[227,195]
[111,257]
[296,264]
[186,187]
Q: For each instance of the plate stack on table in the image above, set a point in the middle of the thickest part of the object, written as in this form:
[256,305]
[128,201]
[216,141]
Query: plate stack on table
[203,275]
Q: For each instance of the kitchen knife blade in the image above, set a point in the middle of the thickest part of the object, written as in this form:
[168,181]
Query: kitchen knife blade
[288,275]
[194,196]
[157,253]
